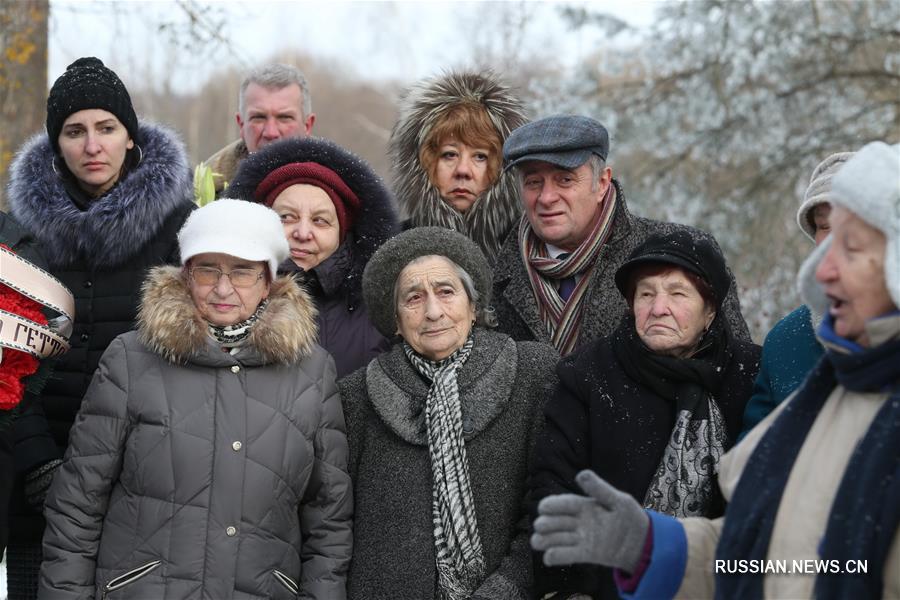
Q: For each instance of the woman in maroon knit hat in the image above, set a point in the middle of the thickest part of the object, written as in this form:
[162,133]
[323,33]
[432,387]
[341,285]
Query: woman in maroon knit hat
[336,213]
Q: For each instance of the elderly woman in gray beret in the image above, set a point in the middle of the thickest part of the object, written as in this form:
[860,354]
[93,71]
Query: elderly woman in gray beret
[440,429]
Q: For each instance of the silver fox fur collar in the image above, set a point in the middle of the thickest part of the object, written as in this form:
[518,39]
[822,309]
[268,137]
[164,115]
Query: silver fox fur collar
[498,209]
[115,226]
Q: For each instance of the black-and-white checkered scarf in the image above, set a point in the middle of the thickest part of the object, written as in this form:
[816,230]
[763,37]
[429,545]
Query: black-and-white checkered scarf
[460,558]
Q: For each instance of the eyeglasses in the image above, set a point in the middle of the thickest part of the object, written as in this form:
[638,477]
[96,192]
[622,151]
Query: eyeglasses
[240,278]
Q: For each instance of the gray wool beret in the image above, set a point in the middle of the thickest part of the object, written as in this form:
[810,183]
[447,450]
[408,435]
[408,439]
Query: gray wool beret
[564,140]
[386,264]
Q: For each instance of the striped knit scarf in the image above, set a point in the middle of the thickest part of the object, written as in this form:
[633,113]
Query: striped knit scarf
[459,556]
[563,318]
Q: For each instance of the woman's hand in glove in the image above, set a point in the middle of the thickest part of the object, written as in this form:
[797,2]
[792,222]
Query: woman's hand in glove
[605,527]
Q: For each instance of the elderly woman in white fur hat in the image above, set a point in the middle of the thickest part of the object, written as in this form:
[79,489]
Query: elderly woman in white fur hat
[815,487]
[791,348]
[209,457]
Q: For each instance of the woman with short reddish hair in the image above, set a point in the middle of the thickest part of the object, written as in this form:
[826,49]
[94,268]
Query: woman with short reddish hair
[447,157]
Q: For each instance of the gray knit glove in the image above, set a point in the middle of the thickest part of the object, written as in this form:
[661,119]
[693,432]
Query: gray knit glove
[37,482]
[606,527]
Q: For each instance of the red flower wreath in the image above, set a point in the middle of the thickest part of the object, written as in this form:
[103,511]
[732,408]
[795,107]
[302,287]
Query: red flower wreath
[17,365]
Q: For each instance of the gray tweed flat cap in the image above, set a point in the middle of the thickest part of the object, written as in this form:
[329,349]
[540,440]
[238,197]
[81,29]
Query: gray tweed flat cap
[564,140]
[385,265]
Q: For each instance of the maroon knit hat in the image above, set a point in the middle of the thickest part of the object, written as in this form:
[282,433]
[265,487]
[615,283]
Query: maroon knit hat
[346,203]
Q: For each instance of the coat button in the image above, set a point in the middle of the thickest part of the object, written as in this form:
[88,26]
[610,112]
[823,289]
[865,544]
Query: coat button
[235,369]
[88,284]
[236,446]
[85,337]
[230,531]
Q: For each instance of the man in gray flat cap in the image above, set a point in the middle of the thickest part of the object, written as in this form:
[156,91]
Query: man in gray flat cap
[554,277]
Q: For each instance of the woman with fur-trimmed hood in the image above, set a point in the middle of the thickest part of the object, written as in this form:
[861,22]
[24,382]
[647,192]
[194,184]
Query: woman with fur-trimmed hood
[209,459]
[103,195]
[446,149]
[336,212]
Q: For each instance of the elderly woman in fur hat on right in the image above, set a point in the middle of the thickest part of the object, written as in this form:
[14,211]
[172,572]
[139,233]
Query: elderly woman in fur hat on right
[447,153]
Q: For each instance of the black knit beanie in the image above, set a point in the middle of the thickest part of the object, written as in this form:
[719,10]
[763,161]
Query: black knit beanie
[86,84]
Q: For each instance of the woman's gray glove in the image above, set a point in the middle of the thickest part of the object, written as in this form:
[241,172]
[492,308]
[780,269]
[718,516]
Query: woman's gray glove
[606,527]
[37,482]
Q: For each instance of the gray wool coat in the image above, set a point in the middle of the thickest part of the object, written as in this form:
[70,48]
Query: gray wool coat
[502,386]
[196,473]
[516,306]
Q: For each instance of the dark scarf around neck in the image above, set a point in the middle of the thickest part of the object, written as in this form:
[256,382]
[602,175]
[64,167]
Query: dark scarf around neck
[684,483]
[866,511]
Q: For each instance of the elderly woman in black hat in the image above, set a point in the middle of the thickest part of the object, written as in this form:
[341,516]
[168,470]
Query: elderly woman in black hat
[652,407]
[104,195]
[440,429]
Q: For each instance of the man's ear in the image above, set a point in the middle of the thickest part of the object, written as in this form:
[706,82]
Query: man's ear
[309,122]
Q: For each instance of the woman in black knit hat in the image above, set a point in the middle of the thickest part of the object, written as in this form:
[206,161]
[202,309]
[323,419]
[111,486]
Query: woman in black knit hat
[104,196]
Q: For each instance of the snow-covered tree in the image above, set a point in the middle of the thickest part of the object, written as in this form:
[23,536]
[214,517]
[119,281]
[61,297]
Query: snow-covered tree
[720,112]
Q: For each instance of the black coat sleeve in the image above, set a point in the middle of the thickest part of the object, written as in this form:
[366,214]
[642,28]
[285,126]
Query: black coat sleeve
[563,449]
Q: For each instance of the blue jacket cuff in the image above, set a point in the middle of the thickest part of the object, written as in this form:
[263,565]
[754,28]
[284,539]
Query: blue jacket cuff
[668,560]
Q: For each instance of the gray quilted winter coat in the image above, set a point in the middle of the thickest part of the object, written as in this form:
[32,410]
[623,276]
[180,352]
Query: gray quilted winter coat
[196,473]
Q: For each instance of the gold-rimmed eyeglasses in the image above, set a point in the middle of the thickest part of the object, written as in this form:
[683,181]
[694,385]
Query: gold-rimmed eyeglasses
[240,278]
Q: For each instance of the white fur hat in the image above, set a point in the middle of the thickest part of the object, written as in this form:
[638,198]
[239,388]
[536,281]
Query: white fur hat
[868,185]
[241,229]
[819,190]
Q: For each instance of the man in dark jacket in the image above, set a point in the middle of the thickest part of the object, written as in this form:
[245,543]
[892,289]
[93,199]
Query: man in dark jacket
[576,232]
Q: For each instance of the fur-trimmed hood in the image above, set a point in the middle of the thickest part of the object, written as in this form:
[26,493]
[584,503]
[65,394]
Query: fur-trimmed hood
[376,221]
[169,324]
[498,209]
[116,225]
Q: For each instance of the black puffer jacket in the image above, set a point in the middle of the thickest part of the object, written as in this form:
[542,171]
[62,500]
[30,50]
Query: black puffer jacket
[197,473]
[336,283]
[102,255]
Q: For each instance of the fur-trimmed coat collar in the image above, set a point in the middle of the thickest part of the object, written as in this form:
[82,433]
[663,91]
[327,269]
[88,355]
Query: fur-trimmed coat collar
[117,224]
[498,209]
[169,324]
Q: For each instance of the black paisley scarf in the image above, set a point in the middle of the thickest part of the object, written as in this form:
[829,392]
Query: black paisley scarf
[684,482]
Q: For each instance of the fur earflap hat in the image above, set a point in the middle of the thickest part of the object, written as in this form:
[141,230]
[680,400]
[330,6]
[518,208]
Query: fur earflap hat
[385,266]
[235,227]
[819,191]
[868,185]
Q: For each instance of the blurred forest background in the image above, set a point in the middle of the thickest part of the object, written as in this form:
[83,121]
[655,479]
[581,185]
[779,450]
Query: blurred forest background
[718,110]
